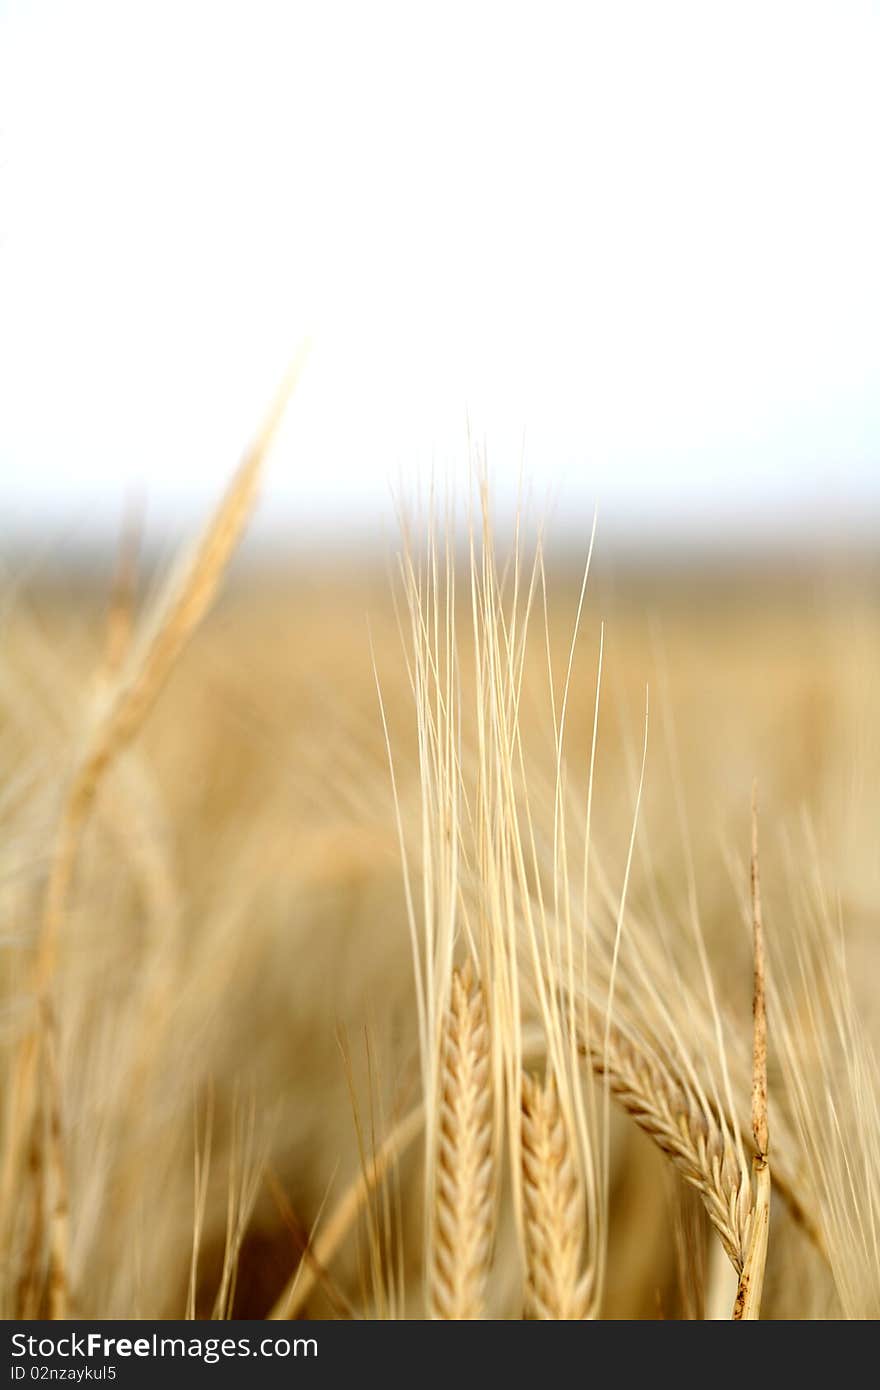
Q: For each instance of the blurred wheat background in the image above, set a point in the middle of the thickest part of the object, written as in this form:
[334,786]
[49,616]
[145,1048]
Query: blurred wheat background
[235,954]
[377,898]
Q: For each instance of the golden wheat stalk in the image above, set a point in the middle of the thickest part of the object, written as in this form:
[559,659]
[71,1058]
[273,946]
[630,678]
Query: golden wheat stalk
[747,1306]
[355,1197]
[553,1204]
[126,705]
[464,1196]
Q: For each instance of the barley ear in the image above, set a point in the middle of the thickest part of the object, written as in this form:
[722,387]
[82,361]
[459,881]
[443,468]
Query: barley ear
[696,1139]
[464,1191]
[553,1203]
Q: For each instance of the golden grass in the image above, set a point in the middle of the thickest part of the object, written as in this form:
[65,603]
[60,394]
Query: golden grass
[36,1118]
[196,909]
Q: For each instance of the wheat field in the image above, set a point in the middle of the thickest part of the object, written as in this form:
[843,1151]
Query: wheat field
[400,940]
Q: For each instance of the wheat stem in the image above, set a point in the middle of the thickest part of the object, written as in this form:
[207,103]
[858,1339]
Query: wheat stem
[747,1306]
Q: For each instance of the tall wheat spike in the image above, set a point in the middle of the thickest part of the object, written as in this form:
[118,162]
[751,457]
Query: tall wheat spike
[464,1180]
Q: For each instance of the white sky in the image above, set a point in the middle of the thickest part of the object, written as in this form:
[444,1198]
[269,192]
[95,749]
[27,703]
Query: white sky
[646,235]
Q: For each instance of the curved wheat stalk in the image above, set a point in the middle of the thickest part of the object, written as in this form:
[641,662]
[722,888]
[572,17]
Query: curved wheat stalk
[695,1140]
[125,706]
[463,1209]
[553,1203]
